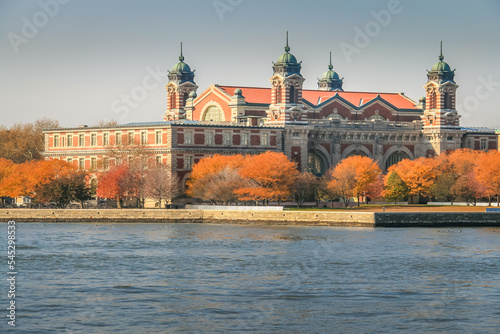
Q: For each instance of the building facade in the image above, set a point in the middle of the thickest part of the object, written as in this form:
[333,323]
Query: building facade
[315,128]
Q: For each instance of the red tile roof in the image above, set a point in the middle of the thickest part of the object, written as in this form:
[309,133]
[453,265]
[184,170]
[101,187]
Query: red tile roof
[315,97]
[251,94]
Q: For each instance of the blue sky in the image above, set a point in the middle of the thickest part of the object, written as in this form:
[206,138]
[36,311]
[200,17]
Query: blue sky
[83,61]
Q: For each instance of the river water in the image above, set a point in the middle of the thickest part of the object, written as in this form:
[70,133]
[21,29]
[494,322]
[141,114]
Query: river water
[202,278]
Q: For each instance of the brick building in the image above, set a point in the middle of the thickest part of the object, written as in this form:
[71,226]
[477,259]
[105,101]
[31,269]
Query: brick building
[315,128]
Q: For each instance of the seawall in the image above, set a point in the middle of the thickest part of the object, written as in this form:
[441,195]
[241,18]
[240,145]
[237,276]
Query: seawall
[306,218]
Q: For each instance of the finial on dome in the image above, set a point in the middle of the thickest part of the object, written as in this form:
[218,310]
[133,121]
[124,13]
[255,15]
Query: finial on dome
[287,48]
[181,57]
[441,57]
[330,66]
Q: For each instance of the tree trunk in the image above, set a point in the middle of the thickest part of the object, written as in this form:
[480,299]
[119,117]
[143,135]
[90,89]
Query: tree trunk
[119,203]
[489,200]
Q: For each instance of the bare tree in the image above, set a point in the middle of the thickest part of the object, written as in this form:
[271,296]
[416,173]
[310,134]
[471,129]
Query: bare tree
[161,184]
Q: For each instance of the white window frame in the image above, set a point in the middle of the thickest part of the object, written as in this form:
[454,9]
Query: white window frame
[264,139]
[210,138]
[188,137]
[158,137]
[244,139]
[105,138]
[188,162]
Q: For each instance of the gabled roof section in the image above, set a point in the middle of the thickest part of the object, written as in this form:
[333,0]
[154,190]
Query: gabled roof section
[251,94]
[360,99]
[315,98]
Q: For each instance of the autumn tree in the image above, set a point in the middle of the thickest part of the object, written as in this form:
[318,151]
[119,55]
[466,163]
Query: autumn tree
[6,169]
[29,177]
[271,176]
[214,179]
[161,184]
[487,173]
[460,165]
[418,175]
[24,142]
[354,177]
[117,183]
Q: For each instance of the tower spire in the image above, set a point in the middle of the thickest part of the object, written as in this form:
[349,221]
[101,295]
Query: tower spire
[330,66]
[181,57]
[441,57]
[287,48]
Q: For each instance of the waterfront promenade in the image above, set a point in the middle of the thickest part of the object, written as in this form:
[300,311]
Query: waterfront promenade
[353,218]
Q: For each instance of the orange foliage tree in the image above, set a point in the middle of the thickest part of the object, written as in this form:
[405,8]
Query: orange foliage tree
[215,178]
[26,178]
[117,183]
[271,176]
[418,175]
[487,173]
[6,169]
[354,177]
[460,166]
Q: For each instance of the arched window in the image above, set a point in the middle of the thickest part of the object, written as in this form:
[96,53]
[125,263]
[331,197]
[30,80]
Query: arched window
[394,158]
[377,117]
[316,165]
[357,152]
[432,104]
[292,94]
[447,100]
[278,94]
[213,114]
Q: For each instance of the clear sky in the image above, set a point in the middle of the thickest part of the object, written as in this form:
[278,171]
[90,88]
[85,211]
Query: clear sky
[83,61]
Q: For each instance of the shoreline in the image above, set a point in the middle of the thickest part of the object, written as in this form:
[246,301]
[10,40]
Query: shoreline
[291,218]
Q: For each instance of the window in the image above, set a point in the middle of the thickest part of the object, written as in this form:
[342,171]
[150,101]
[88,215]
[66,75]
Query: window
[105,163]
[158,137]
[264,139]
[81,140]
[213,114]
[118,138]
[69,160]
[209,138]
[81,163]
[93,139]
[158,160]
[295,135]
[70,140]
[395,157]
[483,144]
[93,163]
[131,140]
[188,162]
[144,137]
[227,138]
[188,137]
[56,140]
[244,139]
[105,139]
[449,138]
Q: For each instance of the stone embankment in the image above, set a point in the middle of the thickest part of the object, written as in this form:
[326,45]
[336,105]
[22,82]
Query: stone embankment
[308,218]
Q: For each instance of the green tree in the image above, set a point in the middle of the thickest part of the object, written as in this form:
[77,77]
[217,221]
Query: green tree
[395,188]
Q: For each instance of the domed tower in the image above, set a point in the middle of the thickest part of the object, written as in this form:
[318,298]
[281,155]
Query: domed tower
[286,91]
[441,120]
[180,85]
[330,79]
